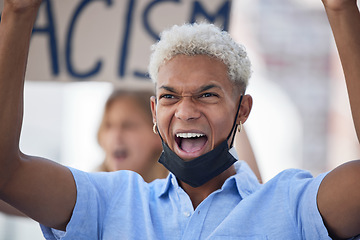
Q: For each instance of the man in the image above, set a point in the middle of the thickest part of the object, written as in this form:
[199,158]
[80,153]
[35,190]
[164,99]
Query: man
[199,103]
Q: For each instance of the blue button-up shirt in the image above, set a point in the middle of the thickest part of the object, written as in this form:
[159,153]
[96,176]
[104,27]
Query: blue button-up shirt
[120,205]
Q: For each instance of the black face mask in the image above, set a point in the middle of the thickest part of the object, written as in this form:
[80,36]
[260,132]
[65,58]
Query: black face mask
[203,168]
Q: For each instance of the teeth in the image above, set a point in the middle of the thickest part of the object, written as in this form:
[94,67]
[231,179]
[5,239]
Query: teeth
[189,135]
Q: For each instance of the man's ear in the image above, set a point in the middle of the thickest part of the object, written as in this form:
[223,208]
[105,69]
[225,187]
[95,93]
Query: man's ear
[245,108]
[153,108]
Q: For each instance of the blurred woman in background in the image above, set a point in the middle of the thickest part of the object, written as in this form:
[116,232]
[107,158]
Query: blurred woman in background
[125,134]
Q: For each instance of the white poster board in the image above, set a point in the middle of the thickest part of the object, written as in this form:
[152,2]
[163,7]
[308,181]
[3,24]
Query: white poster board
[108,40]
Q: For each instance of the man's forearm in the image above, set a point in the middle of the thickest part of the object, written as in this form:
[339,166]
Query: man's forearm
[345,24]
[15,32]
[338,196]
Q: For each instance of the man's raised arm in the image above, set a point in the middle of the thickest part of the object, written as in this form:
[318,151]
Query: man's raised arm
[344,19]
[339,193]
[42,189]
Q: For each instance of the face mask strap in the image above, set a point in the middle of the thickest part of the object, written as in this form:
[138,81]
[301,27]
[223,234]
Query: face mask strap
[158,132]
[234,124]
[156,126]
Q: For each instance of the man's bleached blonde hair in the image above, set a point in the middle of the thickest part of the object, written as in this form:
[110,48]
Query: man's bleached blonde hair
[202,39]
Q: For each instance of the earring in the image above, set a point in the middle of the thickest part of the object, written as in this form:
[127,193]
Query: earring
[239,127]
[155,129]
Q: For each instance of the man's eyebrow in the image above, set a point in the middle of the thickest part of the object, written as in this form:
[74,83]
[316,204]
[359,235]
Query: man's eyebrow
[207,87]
[167,88]
[201,89]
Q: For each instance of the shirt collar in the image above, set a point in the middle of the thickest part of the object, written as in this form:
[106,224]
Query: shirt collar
[170,180]
[245,179]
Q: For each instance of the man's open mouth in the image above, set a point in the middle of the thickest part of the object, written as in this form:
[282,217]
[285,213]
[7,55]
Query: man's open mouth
[190,142]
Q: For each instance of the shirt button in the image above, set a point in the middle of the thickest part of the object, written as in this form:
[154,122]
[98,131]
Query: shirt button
[173,181]
[187,214]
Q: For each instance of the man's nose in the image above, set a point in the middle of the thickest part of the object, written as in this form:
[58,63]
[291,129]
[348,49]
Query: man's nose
[187,109]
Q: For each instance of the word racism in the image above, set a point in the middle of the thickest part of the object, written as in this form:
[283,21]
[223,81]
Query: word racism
[135,16]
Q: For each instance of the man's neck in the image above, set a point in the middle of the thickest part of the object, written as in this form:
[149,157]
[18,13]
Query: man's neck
[197,195]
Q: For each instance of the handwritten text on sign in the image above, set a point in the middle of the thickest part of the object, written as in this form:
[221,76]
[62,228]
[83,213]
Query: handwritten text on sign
[108,40]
